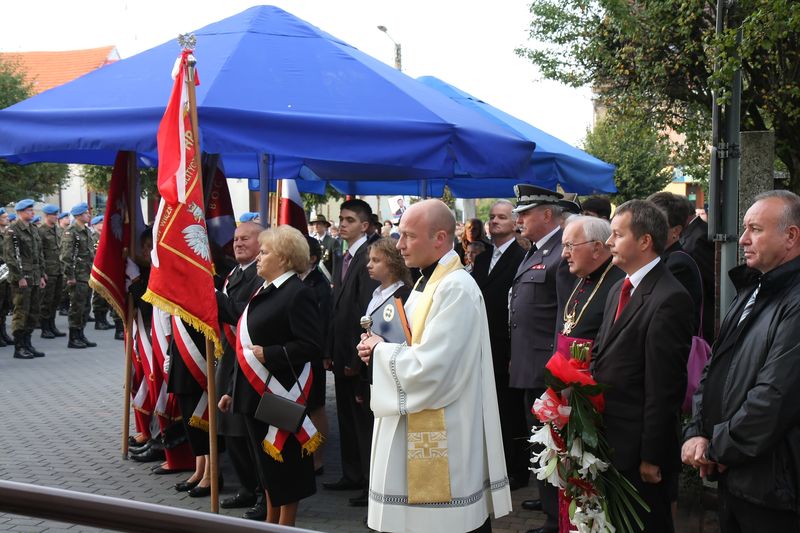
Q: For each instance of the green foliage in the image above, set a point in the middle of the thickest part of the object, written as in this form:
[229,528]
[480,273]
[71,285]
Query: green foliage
[311,201]
[658,58]
[31,181]
[98,179]
[639,151]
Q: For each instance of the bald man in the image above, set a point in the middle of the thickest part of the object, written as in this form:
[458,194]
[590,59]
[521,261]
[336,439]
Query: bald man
[437,451]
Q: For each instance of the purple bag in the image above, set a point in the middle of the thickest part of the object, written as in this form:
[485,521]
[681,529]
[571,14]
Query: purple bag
[698,355]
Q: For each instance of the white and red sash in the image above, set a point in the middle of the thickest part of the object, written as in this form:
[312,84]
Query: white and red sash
[196,364]
[141,344]
[257,375]
[161,331]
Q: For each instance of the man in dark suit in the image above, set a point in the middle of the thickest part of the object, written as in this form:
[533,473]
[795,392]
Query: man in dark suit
[641,355]
[533,308]
[352,291]
[494,272]
[239,286]
[328,243]
[695,242]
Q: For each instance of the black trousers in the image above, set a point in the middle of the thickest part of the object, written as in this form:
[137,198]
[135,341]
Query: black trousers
[355,428]
[548,494]
[658,497]
[243,462]
[740,516]
[514,429]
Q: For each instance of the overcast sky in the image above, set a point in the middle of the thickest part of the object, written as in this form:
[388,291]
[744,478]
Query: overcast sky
[467,43]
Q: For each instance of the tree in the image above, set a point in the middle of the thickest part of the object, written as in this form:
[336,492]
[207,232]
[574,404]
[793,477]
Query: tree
[658,57]
[640,152]
[18,181]
[98,179]
[312,201]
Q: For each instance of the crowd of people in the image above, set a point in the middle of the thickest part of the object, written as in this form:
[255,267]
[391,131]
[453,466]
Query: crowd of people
[437,337]
[47,262]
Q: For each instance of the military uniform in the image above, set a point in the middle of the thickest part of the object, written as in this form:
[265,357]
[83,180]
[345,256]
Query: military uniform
[100,306]
[23,249]
[5,293]
[77,256]
[51,247]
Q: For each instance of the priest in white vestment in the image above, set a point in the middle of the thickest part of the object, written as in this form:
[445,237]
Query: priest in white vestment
[437,460]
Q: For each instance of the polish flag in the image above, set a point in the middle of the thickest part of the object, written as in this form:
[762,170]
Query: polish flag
[290,209]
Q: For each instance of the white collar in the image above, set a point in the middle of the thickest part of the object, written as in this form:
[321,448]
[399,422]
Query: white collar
[380,295]
[245,267]
[356,245]
[280,280]
[541,242]
[637,277]
[503,247]
[447,257]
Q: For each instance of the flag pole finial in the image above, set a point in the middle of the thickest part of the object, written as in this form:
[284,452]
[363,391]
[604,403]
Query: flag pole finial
[187,41]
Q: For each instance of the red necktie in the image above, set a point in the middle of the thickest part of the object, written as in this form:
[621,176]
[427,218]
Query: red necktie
[624,297]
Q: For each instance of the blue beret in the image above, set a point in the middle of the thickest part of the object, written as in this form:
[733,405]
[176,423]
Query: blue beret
[96,220]
[50,209]
[79,209]
[24,204]
[12,217]
[62,215]
[36,219]
[248,217]
[2,210]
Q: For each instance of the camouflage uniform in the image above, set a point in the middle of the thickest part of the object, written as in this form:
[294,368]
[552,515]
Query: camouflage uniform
[100,306]
[51,246]
[23,248]
[77,257]
[5,295]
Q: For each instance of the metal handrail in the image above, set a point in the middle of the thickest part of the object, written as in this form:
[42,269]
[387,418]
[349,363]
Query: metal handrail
[118,514]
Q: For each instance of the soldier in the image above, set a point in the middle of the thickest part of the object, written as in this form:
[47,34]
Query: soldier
[5,290]
[76,256]
[23,248]
[51,246]
[63,306]
[99,304]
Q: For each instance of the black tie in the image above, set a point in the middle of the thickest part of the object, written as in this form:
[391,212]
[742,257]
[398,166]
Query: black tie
[236,275]
[531,251]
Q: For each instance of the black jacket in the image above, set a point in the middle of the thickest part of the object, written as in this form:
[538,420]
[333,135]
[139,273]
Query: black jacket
[756,432]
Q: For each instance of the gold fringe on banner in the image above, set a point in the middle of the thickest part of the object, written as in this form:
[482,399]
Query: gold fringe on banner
[176,310]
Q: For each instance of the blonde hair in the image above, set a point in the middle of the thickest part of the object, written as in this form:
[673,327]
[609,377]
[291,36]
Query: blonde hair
[397,266]
[289,245]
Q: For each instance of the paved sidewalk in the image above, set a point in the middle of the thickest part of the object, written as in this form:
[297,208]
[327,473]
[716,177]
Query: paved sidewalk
[60,426]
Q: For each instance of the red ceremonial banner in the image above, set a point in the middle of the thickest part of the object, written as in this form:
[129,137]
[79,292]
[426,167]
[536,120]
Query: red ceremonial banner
[219,217]
[108,270]
[182,275]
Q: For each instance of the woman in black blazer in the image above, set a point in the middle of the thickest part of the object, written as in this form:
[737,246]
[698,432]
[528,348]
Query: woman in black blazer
[278,328]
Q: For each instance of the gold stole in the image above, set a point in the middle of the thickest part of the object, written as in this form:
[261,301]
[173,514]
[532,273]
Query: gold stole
[427,465]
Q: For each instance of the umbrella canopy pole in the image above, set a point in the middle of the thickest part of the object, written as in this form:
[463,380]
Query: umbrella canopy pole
[264,178]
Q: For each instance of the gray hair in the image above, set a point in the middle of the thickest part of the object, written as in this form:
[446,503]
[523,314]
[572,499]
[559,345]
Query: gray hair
[595,229]
[505,202]
[791,206]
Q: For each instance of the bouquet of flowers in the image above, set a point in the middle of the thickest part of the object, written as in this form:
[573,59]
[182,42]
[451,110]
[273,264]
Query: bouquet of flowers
[575,458]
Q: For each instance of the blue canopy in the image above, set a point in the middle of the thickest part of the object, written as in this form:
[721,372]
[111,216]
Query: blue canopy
[553,162]
[270,83]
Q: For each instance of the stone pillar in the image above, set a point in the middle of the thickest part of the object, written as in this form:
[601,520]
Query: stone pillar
[757,169]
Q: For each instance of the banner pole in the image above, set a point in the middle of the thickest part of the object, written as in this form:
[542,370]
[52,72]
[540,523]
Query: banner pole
[126,416]
[210,352]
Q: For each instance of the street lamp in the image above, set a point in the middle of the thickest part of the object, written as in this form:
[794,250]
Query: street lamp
[398,54]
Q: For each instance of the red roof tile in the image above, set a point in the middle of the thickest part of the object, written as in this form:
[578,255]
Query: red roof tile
[46,70]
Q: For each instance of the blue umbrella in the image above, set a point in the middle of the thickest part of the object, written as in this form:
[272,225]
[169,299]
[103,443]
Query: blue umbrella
[553,162]
[270,83]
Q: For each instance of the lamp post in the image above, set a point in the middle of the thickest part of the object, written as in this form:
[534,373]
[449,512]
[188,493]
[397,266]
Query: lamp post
[398,53]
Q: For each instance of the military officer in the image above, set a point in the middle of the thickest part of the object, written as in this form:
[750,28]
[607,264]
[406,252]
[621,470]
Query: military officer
[5,290]
[23,248]
[77,257]
[63,306]
[100,306]
[50,234]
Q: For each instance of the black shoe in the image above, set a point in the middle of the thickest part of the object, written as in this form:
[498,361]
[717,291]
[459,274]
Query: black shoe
[136,450]
[102,324]
[45,327]
[75,339]
[344,484]
[532,505]
[133,443]
[4,334]
[186,486]
[29,346]
[240,499]
[360,500]
[89,318]
[21,352]
[55,330]
[148,456]
[319,471]
[64,311]
[200,492]
[257,512]
[119,335]
[87,342]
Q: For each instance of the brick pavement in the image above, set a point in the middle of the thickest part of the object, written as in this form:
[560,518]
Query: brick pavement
[60,419]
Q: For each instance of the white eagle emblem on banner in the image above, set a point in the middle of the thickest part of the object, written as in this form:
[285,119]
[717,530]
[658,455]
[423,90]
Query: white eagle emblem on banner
[197,239]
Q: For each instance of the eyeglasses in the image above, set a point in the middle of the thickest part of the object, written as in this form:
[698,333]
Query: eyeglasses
[570,246]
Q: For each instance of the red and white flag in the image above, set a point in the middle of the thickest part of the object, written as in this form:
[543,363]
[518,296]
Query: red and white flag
[182,275]
[290,209]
